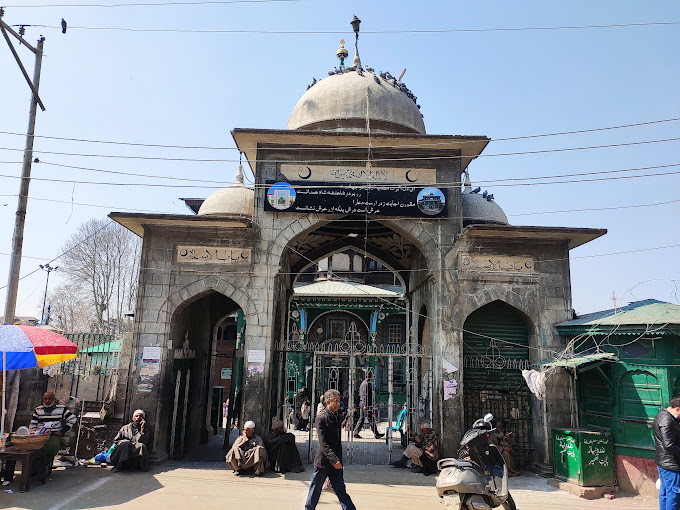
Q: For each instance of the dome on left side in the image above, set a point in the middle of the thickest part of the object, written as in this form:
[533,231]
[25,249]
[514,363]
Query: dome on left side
[234,200]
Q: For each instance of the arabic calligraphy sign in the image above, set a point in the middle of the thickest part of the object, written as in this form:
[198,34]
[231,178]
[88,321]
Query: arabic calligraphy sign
[330,174]
[213,254]
[321,198]
[495,263]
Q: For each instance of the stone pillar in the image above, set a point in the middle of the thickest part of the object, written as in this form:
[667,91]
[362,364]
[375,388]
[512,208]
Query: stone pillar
[257,372]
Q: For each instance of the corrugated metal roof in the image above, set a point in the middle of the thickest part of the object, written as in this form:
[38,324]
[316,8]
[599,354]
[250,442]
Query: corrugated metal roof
[114,346]
[646,312]
[332,288]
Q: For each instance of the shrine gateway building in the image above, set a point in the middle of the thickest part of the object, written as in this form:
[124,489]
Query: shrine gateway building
[363,248]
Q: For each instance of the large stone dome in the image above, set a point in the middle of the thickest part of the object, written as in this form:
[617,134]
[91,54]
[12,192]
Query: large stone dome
[339,103]
[234,200]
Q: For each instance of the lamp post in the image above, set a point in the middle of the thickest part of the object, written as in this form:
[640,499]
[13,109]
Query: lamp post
[49,269]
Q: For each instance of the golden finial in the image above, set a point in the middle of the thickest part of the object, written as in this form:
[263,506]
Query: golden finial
[342,53]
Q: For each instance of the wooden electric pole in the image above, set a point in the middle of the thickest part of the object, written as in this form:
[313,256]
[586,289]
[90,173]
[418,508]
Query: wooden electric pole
[18,237]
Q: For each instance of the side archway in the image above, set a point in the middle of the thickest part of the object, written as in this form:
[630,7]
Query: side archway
[495,351]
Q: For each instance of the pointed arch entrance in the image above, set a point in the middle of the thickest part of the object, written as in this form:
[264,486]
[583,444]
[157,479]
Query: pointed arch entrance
[349,314]
[197,333]
[495,351]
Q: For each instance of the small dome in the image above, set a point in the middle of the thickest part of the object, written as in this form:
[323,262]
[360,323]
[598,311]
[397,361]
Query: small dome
[234,200]
[477,209]
[338,103]
[480,208]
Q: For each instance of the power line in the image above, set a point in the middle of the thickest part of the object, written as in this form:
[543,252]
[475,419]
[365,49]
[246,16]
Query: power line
[596,208]
[611,253]
[374,32]
[159,4]
[64,252]
[130,174]
[352,186]
[316,147]
[424,270]
[369,187]
[343,160]
[588,209]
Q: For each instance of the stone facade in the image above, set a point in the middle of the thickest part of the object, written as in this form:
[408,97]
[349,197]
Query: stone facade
[180,301]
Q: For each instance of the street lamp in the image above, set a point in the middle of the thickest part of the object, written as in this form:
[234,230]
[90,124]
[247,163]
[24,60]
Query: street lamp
[49,269]
[355,26]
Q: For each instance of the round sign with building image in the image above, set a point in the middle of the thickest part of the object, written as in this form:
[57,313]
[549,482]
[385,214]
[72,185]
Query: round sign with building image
[281,196]
[431,201]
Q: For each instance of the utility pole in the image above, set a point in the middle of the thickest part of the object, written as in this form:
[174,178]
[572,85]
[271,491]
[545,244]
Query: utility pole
[49,269]
[18,237]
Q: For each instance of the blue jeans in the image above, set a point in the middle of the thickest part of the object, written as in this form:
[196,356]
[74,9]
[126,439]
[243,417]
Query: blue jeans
[669,493]
[337,482]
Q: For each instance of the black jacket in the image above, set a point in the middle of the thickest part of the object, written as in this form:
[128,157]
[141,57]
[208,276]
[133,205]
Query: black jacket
[329,449]
[667,441]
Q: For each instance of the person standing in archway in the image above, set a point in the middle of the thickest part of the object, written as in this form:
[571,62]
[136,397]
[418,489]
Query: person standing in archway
[366,407]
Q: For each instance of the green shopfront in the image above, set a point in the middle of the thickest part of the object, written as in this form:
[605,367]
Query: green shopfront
[624,391]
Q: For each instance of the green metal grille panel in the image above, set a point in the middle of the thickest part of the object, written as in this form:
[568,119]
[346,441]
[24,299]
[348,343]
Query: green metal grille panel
[495,364]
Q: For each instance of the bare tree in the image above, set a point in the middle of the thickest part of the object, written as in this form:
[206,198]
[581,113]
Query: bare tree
[104,258]
[71,308]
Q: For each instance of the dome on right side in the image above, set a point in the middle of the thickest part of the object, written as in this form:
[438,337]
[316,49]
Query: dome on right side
[480,208]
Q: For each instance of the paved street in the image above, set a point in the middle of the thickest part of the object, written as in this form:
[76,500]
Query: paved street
[205,485]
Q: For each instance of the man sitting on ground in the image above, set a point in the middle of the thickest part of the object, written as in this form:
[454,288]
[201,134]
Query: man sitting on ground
[281,450]
[423,451]
[58,420]
[130,442]
[248,452]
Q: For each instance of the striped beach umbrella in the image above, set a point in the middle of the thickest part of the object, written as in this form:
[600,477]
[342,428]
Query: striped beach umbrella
[28,347]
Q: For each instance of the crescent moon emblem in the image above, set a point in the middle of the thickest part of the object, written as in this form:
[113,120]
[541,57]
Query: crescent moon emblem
[309,173]
[408,178]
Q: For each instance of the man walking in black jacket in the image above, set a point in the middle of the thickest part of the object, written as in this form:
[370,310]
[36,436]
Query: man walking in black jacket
[667,454]
[328,458]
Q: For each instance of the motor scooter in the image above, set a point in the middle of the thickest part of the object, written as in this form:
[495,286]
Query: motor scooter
[478,478]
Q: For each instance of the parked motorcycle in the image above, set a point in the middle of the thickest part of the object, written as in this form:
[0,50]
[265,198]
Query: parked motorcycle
[478,478]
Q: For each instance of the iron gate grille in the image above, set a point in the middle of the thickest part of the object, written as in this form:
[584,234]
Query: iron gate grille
[513,407]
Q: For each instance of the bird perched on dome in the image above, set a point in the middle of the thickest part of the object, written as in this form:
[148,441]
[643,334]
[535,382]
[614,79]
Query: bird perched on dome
[489,197]
[485,193]
[476,190]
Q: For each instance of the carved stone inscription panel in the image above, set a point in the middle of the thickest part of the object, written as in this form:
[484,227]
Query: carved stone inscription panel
[213,254]
[495,263]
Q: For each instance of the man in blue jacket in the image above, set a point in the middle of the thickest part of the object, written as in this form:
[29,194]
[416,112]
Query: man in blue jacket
[328,458]
[667,454]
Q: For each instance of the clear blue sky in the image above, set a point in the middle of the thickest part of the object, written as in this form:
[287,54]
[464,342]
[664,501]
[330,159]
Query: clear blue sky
[178,88]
